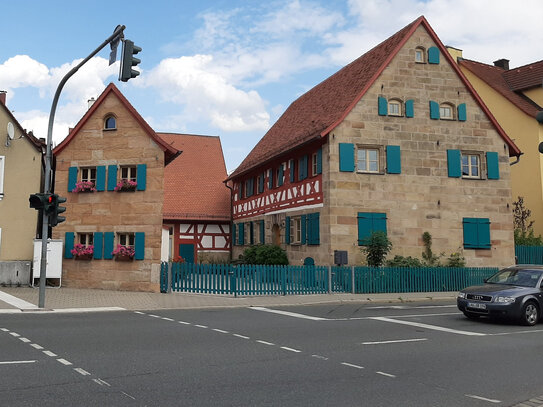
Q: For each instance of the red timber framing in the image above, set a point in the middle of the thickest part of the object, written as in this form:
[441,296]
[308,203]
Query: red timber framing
[204,236]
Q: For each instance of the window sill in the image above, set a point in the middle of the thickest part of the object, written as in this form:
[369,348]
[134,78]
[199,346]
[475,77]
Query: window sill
[109,129]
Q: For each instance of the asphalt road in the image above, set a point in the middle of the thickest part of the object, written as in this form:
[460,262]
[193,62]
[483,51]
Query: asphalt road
[424,354]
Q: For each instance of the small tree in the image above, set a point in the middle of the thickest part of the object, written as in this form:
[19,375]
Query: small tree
[377,246]
[521,216]
[265,254]
[429,258]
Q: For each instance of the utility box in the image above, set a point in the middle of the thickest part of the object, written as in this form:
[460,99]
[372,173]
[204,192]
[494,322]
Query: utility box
[340,257]
[54,262]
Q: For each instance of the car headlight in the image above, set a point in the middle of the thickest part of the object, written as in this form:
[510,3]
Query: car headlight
[461,295]
[505,300]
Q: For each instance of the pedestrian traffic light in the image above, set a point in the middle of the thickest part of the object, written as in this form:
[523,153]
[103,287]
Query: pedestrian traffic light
[55,210]
[128,61]
[40,201]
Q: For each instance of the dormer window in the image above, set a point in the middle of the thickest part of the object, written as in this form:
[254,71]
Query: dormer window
[110,123]
[419,55]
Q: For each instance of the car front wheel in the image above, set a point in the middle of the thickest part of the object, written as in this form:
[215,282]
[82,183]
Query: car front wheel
[530,314]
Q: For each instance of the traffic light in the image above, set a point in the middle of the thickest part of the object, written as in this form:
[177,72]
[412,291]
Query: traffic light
[55,210]
[128,61]
[40,201]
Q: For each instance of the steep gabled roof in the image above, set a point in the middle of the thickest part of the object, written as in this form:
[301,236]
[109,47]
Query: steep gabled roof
[193,182]
[169,151]
[36,143]
[314,114]
[507,82]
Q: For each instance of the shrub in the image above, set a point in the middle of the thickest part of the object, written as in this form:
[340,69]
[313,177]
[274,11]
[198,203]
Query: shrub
[456,260]
[527,239]
[265,254]
[401,261]
[377,247]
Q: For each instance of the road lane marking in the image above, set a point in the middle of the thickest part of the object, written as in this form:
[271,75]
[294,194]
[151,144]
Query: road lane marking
[386,374]
[81,371]
[154,316]
[167,319]
[290,349]
[64,362]
[25,340]
[395,341]
[433,327]
[319,357]
[221,331]
[139,312]
[483,398]
[289,314]
[184,323]
[517,332]
[4,329]
[49,353]
[265,343]
[399,316]
[16,302]
[15,334]
[351,365]
[36,346]
[17,362]
[201,326]
[241,336]
[128,395]
[101,382]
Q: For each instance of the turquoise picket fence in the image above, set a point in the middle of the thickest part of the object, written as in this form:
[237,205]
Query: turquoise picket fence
[284,280]
[529,254]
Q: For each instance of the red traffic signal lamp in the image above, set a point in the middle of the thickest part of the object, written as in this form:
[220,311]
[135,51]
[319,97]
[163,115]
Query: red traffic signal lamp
[40,201]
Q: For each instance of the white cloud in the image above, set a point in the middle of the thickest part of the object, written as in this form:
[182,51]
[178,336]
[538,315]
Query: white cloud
[206,95]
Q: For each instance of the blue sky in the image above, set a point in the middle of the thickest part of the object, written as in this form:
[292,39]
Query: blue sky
[228,68]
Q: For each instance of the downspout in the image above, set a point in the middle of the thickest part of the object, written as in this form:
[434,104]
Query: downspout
[231,218]
[517,159]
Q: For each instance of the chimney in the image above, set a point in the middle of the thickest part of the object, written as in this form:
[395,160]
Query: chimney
[91,102]
[502,63]
[3,97]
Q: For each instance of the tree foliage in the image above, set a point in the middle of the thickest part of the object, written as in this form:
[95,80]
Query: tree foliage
[265,254]
[377,246]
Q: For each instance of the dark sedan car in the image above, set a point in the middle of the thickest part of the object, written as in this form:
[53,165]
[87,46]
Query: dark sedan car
[515,292]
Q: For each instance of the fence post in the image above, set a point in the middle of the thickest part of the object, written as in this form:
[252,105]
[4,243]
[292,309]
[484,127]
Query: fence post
[284,280]
[353,289]
[329,279]
[170,279]
[232,273]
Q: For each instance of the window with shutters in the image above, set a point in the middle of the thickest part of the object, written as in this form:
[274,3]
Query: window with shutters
[446,111]
[110,123]
[471,165]
[129,173]
[314,164]
[420,53]
[394,107]
[86,239]
[368,223]
[126,239]
[88,174]
[295,230]
[368,159]
[280,175]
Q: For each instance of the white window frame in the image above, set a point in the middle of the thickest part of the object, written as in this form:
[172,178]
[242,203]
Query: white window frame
[296,230]
[2,162]
[314,164]
[470,166]
[131,172]
[394,107]
[443,107]
[86,239]
[87,174]
[420,52]
[127,239]
[367,151]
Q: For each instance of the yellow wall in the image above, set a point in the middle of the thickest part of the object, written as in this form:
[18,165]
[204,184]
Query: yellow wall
[525,132]
[536,95]
[22,177]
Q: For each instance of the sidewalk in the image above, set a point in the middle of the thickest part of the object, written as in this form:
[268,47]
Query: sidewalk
[13,299]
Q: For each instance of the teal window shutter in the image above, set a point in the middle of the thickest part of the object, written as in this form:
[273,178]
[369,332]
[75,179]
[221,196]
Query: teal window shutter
[241,234]
[434,110]
[492,164]
[382,106]
[141,177]
[72,180]
[292,170]
[409,108]
[109,238]
[281,175]
[476,233]
[101,178]
[319,161]
[111,177]
[433,55]
[287,230]
[262,232]
[270,179]
[234,241]
[304,229]
[454,163]
[462,114]
[251,233]
[139,245]
[346,157]
[261,183]
[302,169]
[98,245]
[69,238]
[313,228]
[369,223]
[394,162]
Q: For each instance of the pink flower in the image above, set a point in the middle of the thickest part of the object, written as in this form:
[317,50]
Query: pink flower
[82,250]
[84,186]
[126,184]
[121,250]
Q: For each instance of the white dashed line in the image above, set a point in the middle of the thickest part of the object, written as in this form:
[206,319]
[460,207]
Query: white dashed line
[201,326]
[81,371]
[139,312]
[17,362]
[64,362]
[241,336]
[25,340]
[15,334]
[128,395]
[4,329]
[483,398]
[351,365]
[395,341]
[290,349]
[167,319]
[101,382]
[221,331]
[154,316]
[49,353]
[319,357]
[36,346]
[386,374]
[265,343]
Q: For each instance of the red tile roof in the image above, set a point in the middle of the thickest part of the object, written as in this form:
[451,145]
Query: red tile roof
[506,82]
[193,182]
[317,112]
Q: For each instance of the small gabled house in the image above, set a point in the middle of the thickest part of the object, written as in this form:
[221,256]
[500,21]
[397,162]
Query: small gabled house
[111,169]
[196,201]
[21,174]
[397,141]
[515,97]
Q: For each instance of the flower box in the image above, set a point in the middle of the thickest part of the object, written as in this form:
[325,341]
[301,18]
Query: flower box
[82,252]
[83,257]
[123,257]
[84,186]
[123,253]
[126,185]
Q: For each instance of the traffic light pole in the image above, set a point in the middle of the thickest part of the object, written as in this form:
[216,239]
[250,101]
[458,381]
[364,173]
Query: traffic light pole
[117,34]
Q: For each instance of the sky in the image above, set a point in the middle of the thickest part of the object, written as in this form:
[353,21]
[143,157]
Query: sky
[227,68]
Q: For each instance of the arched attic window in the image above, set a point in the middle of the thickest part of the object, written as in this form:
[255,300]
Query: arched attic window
[420,55]
[110,122]
[395,107]
[446,111]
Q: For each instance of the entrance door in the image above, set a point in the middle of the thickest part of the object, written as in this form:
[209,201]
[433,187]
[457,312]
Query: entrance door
[186,251]
[276,235]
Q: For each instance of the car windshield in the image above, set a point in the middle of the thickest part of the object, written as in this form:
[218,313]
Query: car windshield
[519,277]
